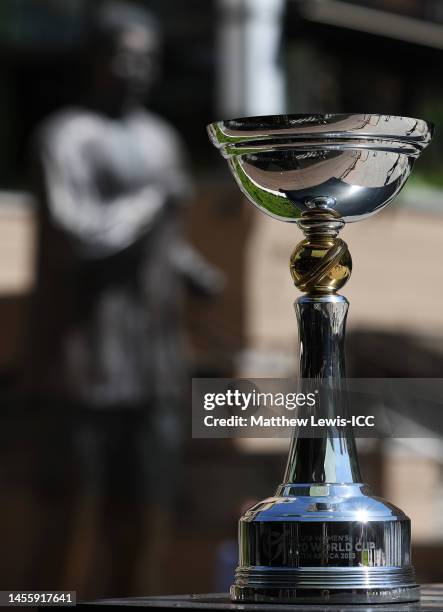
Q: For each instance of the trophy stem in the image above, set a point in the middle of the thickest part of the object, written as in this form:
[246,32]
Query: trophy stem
[331,458]
[319,266]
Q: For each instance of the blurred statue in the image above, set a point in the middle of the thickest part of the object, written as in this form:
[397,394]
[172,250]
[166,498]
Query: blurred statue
[106,338]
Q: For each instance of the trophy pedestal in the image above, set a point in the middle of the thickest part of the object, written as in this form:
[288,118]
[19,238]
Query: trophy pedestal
[324,544]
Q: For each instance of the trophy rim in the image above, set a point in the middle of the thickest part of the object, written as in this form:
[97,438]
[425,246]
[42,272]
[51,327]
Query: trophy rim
[333,130]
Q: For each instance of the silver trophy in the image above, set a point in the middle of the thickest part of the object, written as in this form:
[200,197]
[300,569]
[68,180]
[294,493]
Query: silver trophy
[323,537]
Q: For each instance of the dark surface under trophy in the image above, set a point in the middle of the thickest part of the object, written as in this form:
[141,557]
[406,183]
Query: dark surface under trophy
[323,537]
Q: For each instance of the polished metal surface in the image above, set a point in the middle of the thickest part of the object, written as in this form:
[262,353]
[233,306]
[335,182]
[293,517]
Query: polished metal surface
[331,458]
[290,164]
[320,264]
[323,538]
[327,542]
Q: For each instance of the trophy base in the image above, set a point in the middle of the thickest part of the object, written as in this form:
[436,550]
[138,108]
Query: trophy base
[327,543]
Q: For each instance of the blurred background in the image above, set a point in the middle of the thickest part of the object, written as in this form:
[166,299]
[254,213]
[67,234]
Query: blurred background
[129,263]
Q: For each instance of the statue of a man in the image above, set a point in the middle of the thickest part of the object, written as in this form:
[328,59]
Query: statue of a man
[110,252]
[106,334]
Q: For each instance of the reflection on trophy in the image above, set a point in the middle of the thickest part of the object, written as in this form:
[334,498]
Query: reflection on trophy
[322,537]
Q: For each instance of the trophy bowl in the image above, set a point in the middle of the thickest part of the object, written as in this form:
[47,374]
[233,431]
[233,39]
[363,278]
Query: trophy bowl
[351,165]
[323,537]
